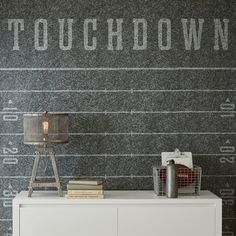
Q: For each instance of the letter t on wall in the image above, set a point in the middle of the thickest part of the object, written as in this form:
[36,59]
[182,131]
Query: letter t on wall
[17,25]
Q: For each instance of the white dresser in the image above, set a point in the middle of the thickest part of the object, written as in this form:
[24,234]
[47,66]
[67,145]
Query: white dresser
[121,213]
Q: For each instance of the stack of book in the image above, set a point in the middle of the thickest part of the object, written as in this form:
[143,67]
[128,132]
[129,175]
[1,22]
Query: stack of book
[77,189]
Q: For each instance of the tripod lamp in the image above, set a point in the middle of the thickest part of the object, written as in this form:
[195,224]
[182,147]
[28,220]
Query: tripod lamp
[44,130]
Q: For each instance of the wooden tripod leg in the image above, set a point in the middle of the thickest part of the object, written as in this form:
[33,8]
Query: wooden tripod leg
[34,173]
[54,166]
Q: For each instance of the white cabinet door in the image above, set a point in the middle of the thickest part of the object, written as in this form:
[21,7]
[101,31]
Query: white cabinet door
[68,221]
[167,220]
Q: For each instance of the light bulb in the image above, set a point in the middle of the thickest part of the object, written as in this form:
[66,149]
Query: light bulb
[45,127]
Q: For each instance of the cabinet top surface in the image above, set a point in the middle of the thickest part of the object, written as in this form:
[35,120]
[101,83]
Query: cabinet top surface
[113,197]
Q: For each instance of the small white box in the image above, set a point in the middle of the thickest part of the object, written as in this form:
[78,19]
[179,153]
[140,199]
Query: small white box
[183,158]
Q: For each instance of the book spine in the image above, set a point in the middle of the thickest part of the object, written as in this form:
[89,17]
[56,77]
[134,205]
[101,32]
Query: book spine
[84,187]
[85,182]
[85,192]
[84,196]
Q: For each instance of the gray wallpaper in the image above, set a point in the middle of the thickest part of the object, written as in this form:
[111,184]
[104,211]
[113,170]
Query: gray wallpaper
[136,77]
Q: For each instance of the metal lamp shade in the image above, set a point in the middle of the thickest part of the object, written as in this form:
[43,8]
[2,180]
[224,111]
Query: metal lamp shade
[46,128]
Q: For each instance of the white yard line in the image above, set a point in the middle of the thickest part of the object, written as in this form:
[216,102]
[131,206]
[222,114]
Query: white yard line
[114,68]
